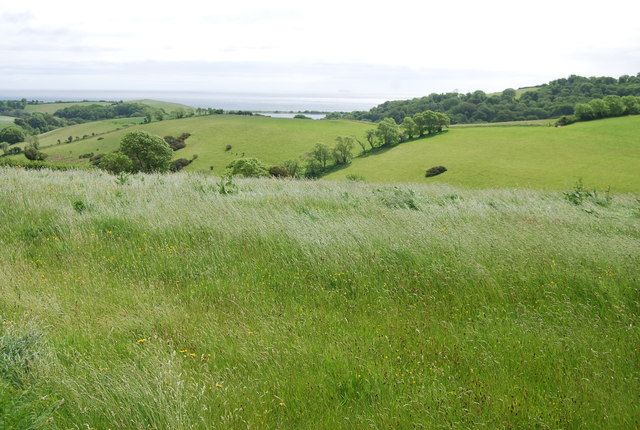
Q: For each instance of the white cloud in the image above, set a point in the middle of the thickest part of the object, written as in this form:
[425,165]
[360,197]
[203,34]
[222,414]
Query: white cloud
[402,47]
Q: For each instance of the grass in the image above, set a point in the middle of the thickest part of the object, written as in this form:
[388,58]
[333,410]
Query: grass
[272,140]
[53,107]
[5,121]
[604,153]
[157,302]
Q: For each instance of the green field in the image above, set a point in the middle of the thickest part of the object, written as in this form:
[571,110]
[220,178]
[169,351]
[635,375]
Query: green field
[53,107]
[160,303]
[272,140]
[6,120]
[603,153]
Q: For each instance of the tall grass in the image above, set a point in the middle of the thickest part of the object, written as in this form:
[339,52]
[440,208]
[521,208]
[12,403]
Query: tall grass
[289,304]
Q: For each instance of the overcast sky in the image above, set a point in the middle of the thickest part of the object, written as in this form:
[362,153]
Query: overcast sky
[360,48]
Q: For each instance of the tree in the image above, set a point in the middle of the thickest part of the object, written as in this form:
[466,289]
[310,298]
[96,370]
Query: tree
[615,106]
[388,132]
[409,127]
[12,135]
[249,167]
[148,153]
[631,104]
[321,154]
[116,163]
[600,108]
[294,168]
[343,150]
[584,112]
[370,135]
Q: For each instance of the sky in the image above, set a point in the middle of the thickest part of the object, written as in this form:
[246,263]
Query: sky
[335,48]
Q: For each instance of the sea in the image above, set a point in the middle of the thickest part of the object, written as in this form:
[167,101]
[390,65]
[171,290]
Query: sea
[269,104]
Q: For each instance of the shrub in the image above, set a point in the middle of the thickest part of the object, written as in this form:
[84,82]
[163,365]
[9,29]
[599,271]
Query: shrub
[14,150]
[294,168]
[179,164]
[227,185]
[115,163]
[79,206]
[355,178]
[87,155]
[435,171]
[12,135]
[279,171]
[33,153]
[249,167]
[100,138]
[566,120]
[300,116]
[147,152]
[95,159]
[228,147]
[398,198]
[578,194]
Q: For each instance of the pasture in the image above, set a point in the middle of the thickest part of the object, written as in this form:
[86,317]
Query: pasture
[603,153]
[158,302]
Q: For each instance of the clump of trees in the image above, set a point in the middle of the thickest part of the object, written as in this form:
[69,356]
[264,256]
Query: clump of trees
[38,122]
[95,112]
[321,158]
[389,133]
[12,135]
[248,167]
[607,107]
[32,150]
[551,100]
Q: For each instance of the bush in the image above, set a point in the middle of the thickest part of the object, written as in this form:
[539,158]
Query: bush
[147,152]
[33,153]
[96,159]
[249,167]
[355,178]
[566,120]
[398,198]
[179,164]
[435,171]
[177,143]
[300,116]
[578,194]
[279,172]
[115,163]
[12,135]
[228,147]
[87,155]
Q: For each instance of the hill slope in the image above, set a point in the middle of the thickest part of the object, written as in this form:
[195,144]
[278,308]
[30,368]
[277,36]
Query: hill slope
[272,140]
[53,107]
[161,303]
[603,153]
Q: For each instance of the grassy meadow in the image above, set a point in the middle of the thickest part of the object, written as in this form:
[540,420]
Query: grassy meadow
[529,154]
[603,153]
[272,140]
[158,302]
[53,107]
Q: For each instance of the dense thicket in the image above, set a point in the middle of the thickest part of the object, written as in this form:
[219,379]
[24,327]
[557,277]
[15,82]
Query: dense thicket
[550,100]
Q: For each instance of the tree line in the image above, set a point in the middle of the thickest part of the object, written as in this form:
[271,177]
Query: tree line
[550,100]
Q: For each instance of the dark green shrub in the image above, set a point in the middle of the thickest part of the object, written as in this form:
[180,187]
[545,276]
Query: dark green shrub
[435,171]
[279,172]
[12,135]
[87,155]
[398,198]
[115,163]
[179,164]
[79,206]
[248,167]
[228,147]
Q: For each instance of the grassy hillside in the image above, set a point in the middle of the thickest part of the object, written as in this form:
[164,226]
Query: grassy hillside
[161,303]
[5,121]
[272,140]
[604,153]
[53,107]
